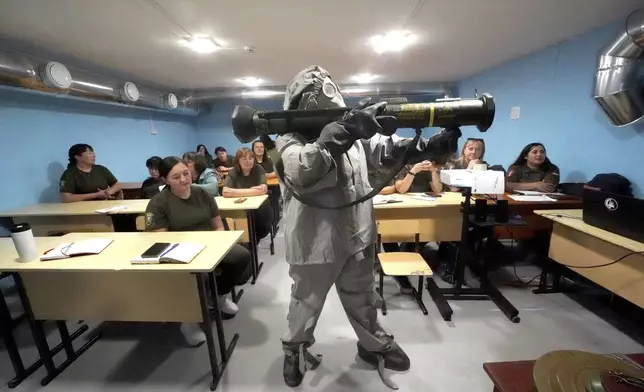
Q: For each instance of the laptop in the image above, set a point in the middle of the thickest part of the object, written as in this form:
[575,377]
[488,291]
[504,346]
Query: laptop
[621,215]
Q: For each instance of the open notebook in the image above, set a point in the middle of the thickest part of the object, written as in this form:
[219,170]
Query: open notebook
[181,252]
[91,246]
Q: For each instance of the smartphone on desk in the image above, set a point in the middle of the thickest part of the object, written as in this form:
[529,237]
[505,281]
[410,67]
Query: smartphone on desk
[240,200]
[156,250]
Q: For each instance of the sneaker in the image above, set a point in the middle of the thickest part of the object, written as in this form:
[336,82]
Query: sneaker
[193,334]
[226,305]
[403,284]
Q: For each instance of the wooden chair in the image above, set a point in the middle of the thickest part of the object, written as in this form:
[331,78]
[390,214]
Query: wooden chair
[401,263]
[140,223]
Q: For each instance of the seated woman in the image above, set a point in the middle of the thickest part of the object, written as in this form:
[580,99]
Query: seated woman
[532,171]
[472,153]
[85,180]
[202,175]
[262,159]
[181,206]
[248,179]
[421,177]
[222,162]
[151,185]
[202,150]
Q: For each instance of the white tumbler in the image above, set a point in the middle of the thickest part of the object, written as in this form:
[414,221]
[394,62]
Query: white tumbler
[23,240]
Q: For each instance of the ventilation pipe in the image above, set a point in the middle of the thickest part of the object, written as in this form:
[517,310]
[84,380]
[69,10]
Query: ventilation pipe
[438,90]
[32,73]
[619,81]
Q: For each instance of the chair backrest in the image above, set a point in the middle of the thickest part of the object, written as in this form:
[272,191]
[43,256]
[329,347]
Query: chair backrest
[231,223]
[140,223]
[398,230]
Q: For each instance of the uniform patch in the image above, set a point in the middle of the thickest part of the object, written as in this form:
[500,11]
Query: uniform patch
[149,217]
[510,173]
[62,183]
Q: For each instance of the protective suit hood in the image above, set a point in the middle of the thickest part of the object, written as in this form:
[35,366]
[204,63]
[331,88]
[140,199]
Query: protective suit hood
[312,88]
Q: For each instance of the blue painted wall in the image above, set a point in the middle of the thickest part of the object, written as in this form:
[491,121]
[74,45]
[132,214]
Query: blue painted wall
[553,89]
[36,132]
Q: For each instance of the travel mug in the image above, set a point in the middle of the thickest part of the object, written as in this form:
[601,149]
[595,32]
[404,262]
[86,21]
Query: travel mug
[23,240]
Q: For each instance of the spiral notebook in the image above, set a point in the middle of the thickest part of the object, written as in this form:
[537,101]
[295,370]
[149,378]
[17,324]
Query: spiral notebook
[91,246]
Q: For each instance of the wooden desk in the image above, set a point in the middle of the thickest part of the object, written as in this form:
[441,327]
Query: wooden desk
[440,219]
[131,190]
[574,242]
[526,210]
[107,287]
[516,376]
[272,182]
[243,217]
[48,218]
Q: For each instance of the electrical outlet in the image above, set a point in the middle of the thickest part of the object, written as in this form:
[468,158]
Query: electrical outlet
[153,131]
[515,113]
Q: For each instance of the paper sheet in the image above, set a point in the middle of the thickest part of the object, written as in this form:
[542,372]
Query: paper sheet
[111,209]
[422,196]
[381,199]
[532,198]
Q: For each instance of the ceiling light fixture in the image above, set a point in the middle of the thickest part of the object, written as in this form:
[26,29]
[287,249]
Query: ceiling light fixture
[261,93]
[394,41]
[250,81]
[364,78]
[201,44]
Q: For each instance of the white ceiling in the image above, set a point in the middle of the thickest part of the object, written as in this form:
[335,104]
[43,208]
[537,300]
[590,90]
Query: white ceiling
[456,38]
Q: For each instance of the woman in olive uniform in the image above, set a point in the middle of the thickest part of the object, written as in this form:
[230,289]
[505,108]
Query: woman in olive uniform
[532,171]
[248,179]
[181,206]
[262,159]
[85,180]
[421,177]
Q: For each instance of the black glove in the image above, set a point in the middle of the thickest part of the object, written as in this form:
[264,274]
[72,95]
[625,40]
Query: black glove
[361,122]
[437,149]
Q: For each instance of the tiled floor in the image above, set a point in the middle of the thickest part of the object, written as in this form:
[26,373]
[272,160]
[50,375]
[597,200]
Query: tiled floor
[445,356]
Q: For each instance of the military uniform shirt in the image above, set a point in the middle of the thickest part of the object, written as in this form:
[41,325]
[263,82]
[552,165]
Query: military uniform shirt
[421,183]
[77,182]
[168,211]
[237,180]
[217,162]
[523,173]
[267,165]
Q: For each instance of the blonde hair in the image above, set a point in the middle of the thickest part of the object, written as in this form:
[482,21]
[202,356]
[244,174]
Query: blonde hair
[461,158]
[242,152]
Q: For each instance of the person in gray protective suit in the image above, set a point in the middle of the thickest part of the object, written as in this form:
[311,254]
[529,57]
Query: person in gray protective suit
[336,246]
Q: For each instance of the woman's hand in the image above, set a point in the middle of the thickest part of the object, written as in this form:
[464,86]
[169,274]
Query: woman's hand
[472,163]
[422,166]
[544,187]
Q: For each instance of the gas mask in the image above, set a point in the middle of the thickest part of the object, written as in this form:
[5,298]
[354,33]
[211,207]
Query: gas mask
[313,88]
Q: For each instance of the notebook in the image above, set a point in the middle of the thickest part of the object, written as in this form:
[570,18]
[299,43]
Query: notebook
[92,246]
[381,199]
[532,198]
[111,209]
[180,253]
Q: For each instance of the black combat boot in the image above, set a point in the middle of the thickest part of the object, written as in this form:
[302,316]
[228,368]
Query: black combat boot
[297,360]
[394,358]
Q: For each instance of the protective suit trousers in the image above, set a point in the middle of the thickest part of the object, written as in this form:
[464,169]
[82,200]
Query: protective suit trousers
[354,282]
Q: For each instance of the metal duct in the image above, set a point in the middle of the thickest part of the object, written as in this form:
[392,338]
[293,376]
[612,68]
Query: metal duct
[22,71]
[619,81]
[348,90]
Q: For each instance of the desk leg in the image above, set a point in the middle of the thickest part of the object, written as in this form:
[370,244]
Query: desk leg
[252,237]
[216,369]
[47,354]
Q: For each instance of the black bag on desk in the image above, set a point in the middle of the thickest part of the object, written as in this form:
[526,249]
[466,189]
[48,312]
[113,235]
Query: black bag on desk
[606,182]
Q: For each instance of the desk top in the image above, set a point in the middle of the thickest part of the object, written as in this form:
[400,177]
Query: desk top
[272,182]
[126,246]
[573,219]
[572,202]
[446,199]
[251,203]
[78,208]
[133,207]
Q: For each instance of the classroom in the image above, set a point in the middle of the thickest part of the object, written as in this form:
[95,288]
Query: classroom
[186,181]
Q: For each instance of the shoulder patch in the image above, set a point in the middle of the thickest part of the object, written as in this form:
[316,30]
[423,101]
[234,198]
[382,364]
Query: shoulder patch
[62,183]
[149,218]
[511,172]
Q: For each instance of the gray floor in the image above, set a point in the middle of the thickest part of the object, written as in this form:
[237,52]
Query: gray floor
[445,356]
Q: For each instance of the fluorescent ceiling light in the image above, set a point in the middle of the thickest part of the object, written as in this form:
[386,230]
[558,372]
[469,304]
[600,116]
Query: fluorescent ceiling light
[355,90]
[250,81]
[364,78]
[261,93]
[201,44]
[394,41]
